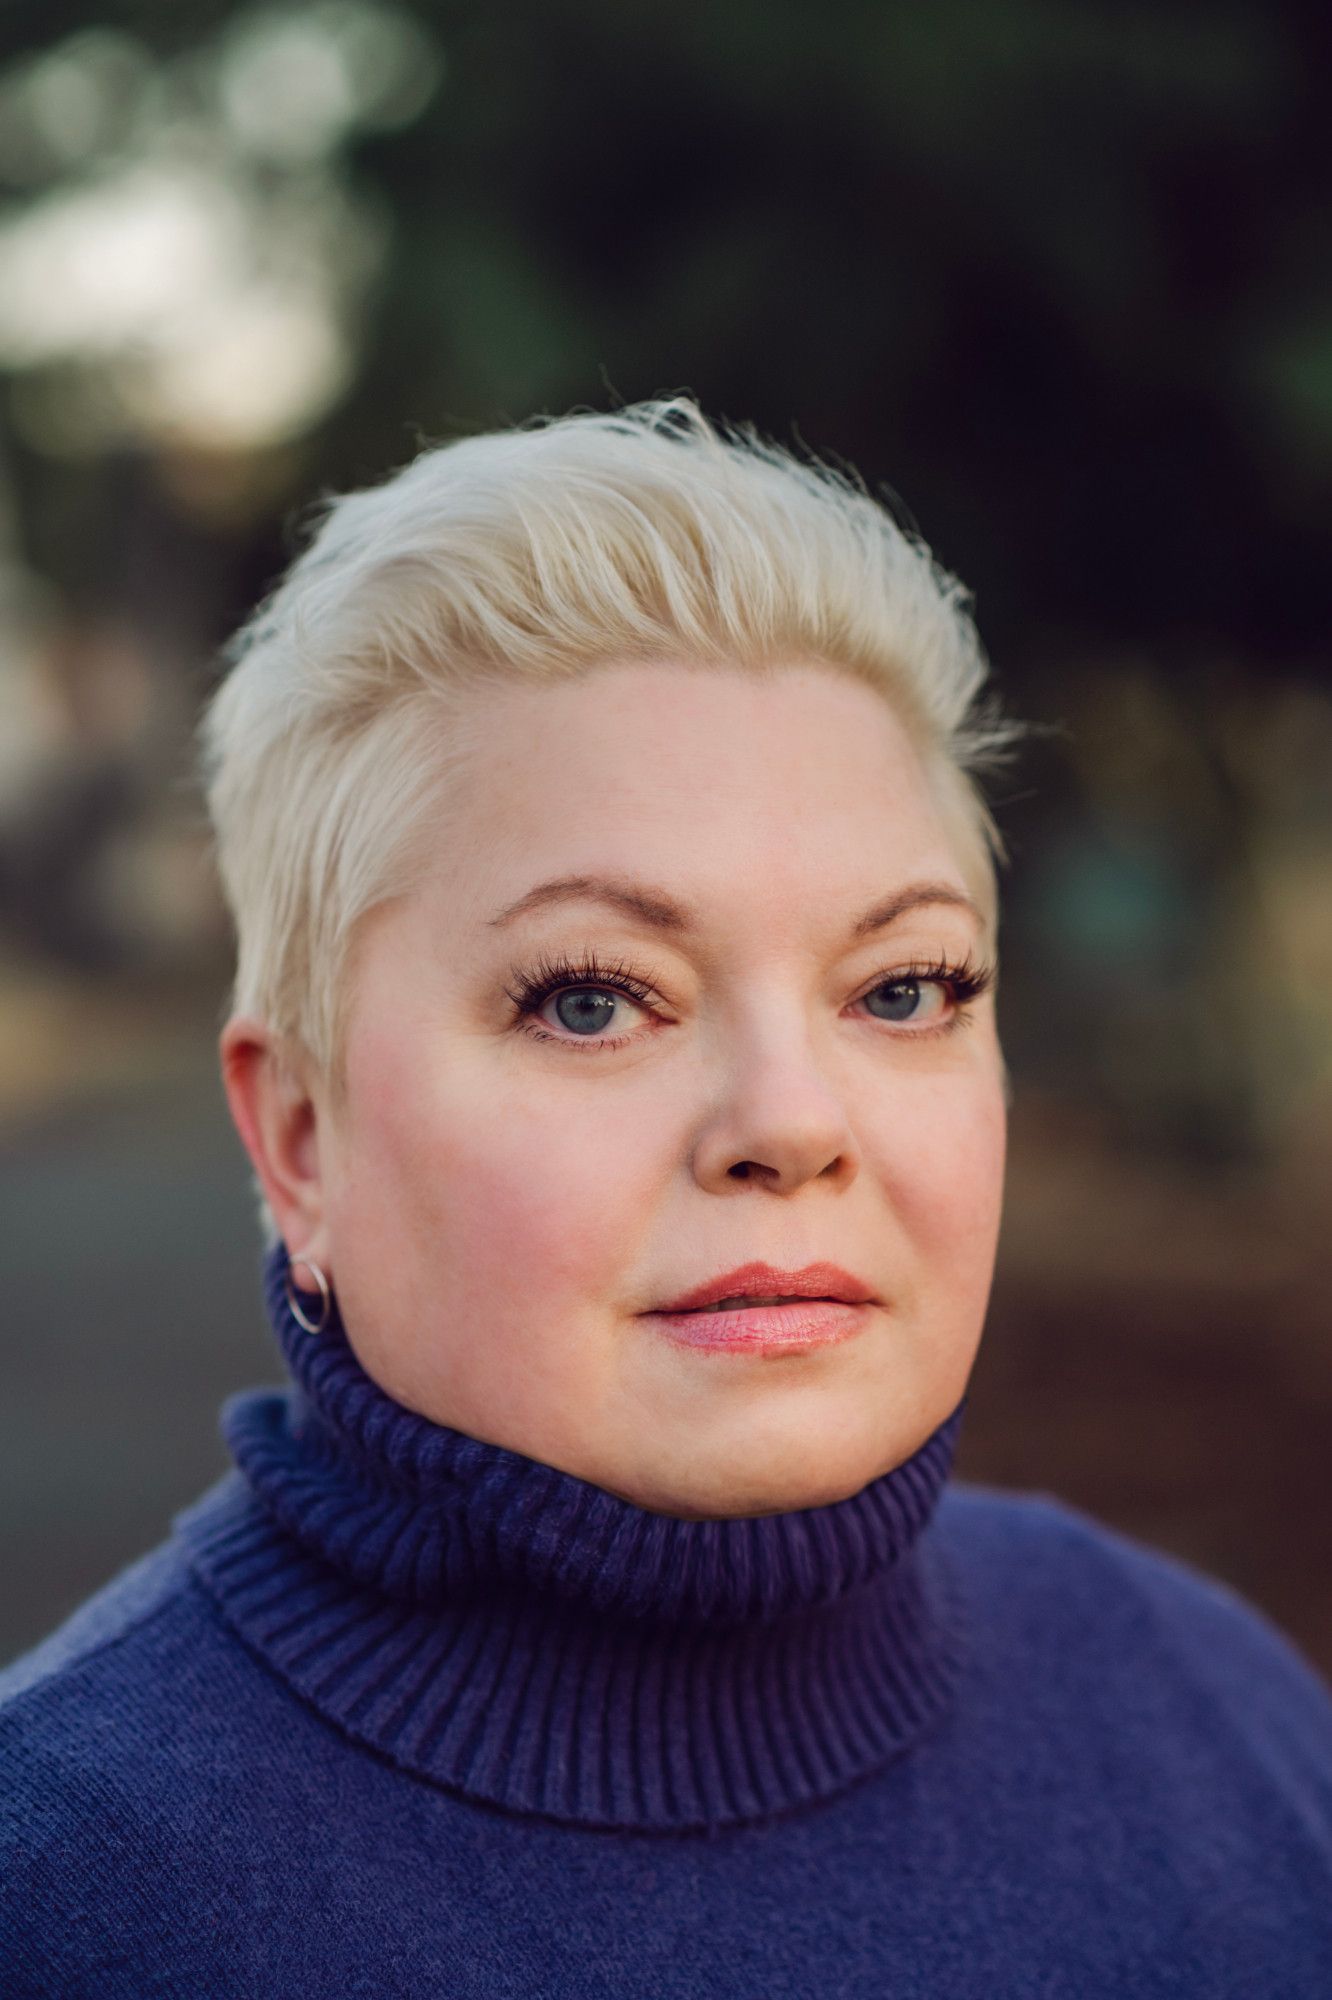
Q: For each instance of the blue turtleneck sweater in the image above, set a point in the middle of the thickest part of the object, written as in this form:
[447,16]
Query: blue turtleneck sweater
[396,1712]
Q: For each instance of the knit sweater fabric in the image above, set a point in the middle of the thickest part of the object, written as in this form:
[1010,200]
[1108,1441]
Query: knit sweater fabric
[394,1711]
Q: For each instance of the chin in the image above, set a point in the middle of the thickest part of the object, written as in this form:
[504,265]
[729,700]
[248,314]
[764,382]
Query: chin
[774,1475]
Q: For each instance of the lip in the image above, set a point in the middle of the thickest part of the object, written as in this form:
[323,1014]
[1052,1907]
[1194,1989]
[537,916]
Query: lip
[761,1281]
[785,1329]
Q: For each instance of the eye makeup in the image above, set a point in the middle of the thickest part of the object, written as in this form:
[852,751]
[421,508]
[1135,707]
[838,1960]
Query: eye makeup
[963,981]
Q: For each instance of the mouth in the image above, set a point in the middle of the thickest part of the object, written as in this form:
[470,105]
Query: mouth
[765,1285]
[761,1310]
[741,1301]
[786,1327]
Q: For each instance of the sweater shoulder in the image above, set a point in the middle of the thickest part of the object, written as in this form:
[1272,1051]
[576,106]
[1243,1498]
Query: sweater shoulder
[1056,1582]
[105,1735]
[87,1700]
[111,1687]
[114,1636]
[142,1592]
[1060,1545]
[101,1728]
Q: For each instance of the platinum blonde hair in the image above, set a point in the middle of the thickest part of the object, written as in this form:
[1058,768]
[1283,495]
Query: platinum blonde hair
[538,554]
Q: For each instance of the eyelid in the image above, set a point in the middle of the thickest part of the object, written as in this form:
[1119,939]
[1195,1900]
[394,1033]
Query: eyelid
[972,974]
[969,977]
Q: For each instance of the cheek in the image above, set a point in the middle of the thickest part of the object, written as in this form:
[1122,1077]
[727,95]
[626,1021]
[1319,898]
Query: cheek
[545,1210]
[942,1158]
[514,1197]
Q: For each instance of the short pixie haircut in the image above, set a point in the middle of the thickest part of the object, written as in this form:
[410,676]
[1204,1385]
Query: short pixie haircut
[538,554]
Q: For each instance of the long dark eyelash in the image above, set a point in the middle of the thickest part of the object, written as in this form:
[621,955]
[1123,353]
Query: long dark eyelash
[548,975]
[966,980]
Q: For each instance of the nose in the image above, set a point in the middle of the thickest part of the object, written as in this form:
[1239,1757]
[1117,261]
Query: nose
[778,1119]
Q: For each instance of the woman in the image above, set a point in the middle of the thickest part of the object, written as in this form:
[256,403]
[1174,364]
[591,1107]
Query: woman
[614,1045]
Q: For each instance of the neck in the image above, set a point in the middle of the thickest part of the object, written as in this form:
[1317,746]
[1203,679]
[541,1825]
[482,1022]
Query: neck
[523,1637]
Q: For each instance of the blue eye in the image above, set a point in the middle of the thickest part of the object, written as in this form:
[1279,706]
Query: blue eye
[903,997]
[586,993]
[578,1004]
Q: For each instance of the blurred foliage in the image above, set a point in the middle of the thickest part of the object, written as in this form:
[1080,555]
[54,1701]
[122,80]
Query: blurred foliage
[1062,275]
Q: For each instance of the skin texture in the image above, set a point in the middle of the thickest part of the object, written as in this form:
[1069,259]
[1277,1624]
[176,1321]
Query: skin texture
[497,1212]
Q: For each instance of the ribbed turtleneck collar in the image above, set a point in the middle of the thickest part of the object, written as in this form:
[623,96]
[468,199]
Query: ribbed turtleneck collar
[523,1637]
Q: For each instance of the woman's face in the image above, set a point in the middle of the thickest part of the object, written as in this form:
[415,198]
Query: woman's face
[504,1197]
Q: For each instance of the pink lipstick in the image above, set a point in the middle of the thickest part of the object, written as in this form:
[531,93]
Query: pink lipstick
[759,1308]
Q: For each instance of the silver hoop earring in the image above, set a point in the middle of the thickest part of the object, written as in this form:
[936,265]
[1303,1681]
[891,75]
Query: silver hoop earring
[325,1297]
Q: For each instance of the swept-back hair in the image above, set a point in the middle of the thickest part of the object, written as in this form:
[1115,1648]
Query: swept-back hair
[537,554]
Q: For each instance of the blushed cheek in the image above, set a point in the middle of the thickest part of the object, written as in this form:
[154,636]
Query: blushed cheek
[516,1205]
[944,1165]
[568,1213]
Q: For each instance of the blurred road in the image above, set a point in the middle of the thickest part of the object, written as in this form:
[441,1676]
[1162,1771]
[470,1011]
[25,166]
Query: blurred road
[129,1302]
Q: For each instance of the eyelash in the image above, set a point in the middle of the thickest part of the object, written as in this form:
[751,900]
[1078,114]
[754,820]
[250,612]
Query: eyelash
[967,980]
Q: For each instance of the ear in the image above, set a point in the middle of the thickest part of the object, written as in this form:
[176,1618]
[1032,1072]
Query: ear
[278,1114]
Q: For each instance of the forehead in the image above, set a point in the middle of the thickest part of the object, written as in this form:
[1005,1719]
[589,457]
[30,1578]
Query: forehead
[682,767]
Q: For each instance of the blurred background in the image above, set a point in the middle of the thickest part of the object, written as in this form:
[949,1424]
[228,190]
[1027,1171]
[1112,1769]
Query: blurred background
[1060,277]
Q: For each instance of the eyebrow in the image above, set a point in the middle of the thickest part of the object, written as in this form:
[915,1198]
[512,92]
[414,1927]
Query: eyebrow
[661,912]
